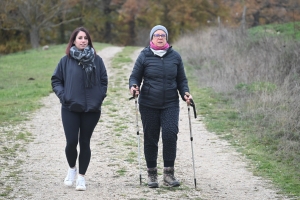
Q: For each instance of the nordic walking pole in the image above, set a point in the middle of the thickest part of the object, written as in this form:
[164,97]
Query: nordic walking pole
[137,131]
[191,134]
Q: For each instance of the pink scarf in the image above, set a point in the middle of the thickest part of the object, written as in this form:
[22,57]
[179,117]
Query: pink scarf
[153,46]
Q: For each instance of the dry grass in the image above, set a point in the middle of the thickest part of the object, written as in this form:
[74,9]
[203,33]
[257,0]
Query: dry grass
[262,77]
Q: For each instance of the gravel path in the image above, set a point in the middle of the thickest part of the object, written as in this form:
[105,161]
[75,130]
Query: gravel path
[221,173]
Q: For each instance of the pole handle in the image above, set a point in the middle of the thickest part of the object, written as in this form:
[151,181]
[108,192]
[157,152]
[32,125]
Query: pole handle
[192,104]
[134,92]
[194,108]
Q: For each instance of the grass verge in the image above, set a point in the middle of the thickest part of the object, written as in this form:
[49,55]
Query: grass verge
[287,30]
[220,117]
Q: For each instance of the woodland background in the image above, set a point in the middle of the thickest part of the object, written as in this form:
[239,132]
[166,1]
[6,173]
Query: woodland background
[28,24]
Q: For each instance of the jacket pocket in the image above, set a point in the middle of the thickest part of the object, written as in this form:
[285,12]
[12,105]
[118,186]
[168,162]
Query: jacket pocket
[145,89]
[75,107]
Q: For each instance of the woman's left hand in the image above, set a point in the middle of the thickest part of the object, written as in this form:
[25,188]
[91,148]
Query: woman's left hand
[187,98]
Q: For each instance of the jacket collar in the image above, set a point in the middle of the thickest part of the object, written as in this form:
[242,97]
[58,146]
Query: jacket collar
[150,53]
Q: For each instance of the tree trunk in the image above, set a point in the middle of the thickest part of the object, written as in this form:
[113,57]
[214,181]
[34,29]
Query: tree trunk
[34,37]
[62,34]
[244,18]
[108,26]
[131,33]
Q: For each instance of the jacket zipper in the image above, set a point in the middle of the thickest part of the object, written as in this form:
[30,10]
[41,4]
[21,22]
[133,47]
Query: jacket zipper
[84,87]
[164,77]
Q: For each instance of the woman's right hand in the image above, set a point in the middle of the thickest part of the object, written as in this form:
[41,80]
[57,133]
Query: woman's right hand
[188,97]
[134,90]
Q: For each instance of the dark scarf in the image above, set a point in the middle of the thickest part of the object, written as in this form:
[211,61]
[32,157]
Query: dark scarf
[86,59]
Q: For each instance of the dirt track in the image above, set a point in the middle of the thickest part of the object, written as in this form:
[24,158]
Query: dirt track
[221,173]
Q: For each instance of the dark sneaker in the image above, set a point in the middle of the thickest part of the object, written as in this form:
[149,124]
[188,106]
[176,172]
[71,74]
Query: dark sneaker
[152,178]
[169,178]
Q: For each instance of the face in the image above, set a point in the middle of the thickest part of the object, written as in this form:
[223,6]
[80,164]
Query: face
[81,40]
[159,41]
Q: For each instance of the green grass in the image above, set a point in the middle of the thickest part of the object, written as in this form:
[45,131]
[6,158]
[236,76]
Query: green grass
[123,58]
[288,30]
[131,157]
[122,172]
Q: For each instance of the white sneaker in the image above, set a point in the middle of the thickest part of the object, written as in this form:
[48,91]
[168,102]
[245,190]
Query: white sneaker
[69,180]
[80,184]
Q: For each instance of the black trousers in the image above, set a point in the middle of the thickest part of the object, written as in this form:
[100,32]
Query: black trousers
[154,121]
[79,126]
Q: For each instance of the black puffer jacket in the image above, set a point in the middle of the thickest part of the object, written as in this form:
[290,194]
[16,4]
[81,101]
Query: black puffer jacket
[68,83]
[163,77]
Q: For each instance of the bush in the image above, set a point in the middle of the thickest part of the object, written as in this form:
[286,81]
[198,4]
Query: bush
[12,47]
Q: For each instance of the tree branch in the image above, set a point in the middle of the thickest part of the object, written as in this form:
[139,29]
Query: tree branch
[67,21]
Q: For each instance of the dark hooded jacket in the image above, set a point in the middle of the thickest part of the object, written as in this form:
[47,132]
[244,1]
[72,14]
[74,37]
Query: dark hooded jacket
[68,83]
[161,78]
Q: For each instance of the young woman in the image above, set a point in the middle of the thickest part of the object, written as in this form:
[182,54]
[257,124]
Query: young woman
[80,83]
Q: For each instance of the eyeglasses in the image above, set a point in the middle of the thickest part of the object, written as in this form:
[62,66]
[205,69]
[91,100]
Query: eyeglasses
[159,35]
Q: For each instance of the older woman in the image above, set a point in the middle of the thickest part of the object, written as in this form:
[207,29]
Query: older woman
[159,68]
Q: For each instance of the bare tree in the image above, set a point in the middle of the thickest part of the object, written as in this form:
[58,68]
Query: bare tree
[33,15]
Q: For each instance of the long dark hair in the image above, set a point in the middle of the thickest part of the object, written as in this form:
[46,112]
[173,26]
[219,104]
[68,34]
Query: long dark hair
[73,38]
